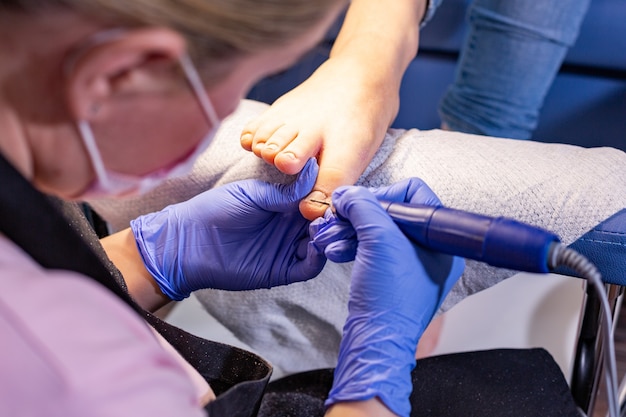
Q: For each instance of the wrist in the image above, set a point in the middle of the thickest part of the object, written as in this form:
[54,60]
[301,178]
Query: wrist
[368,408]
[150,234]
[122,250]
[376,358]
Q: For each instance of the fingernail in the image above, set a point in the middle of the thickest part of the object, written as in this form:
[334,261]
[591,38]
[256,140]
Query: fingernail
[271,146]
[246,137]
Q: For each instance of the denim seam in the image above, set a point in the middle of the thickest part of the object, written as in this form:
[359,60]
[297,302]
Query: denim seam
[606,232]
[602,241]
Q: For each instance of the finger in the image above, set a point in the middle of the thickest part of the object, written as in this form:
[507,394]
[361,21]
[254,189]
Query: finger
[338,241]
[323,229]
[333,231]
[285,197]
[412,190]
[361,208]
[308,267]
[321,223]
[342,251]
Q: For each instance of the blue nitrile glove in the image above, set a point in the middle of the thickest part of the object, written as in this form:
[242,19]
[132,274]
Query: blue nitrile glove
[245,235]
[395,291]
[341,244]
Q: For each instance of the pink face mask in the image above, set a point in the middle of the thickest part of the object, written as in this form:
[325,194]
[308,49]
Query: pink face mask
[110,183]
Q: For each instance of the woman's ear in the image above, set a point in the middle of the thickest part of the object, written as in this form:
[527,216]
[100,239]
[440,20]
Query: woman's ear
[123,64]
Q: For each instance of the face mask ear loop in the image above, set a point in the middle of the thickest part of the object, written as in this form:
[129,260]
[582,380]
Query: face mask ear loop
[83,126]
[92,149]
[198,88]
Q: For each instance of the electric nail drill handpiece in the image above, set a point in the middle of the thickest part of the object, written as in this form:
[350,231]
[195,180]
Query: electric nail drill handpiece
[497,241]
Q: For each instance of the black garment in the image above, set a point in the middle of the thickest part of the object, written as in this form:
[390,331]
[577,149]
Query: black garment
[57,235]
[489,383]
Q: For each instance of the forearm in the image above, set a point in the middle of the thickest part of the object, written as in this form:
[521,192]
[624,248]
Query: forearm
[369,408]
[122,250]
[382,36]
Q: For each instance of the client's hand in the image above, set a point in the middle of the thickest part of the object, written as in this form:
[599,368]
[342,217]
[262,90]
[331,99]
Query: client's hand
[396,289]
[339,115]
[242,236]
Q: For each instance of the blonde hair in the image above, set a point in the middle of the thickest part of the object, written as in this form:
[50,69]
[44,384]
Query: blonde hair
[213,28]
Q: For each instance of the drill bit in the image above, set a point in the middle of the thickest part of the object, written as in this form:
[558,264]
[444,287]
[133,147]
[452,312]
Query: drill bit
[319,202]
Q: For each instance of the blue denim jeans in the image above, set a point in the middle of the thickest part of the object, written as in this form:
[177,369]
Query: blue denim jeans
[512,54]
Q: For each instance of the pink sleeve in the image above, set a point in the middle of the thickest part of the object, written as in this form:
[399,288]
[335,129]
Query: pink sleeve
[70,348]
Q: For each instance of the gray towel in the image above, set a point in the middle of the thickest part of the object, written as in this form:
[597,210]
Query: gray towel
[562,188]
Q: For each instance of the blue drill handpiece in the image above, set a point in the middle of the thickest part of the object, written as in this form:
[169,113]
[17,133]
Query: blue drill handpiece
[497,241]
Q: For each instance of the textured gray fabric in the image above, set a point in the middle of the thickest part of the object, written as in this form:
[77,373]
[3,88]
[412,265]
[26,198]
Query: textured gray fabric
[562,188]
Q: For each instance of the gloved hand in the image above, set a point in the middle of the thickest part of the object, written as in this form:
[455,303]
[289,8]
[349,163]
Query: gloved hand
[242,236]
[395,291]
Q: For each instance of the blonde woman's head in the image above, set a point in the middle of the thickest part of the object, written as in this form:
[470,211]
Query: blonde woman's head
[115,66]
[213,28]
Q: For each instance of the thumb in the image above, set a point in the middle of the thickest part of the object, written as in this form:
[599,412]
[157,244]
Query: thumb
[410,190]
[285,197]
[361,208]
